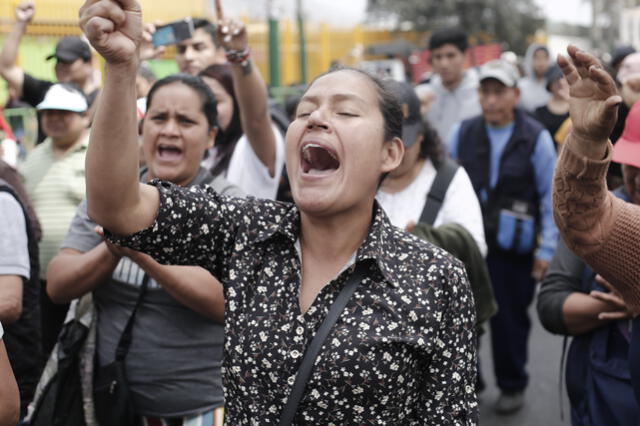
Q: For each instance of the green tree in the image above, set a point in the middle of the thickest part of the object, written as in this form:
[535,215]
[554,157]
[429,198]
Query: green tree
[511,22]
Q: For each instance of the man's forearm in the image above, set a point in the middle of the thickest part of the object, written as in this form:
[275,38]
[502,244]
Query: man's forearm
[8,67]
[72,274]
[192,286]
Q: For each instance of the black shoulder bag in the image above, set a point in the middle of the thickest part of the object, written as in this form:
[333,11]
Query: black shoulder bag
[435,198]
[310,355]
[111,396]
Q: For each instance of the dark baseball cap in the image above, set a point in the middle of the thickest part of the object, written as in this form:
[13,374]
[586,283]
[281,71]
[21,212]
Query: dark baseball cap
[412,122]
[71,48]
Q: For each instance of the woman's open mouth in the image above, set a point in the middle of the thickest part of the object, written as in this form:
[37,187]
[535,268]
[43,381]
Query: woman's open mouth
[168,152]
[318,160]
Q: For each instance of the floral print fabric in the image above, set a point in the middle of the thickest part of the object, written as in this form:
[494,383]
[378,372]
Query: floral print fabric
[402,352]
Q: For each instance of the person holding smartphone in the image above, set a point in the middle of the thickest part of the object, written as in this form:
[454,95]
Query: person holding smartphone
[193,53]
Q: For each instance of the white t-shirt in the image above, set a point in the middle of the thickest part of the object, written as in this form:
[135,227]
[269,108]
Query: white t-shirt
[14,243]
[1,331]
[460,203]
[249,173]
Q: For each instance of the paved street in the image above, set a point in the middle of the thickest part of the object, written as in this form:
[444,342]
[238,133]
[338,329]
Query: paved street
[542,407]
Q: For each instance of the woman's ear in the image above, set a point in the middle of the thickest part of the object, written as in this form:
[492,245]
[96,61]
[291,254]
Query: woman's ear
[211,137]
[392,154]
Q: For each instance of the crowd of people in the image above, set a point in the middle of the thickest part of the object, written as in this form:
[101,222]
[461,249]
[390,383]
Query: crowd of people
[153,273]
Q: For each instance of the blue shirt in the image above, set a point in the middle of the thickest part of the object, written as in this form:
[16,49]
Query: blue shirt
[543,161]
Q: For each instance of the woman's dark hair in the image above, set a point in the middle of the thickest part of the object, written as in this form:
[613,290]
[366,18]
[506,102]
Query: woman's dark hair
[431,147]
[226,139]
[209,104]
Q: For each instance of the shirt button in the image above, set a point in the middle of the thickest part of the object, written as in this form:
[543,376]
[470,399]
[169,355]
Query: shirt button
[291,380]
[295,354]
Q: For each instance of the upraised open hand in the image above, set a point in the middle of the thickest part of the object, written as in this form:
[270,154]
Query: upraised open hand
[232,34]
[114,28]
[25,11]
[593,96]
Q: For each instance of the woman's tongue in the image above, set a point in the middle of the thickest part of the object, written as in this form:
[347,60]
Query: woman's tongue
[169,153]
[320,161]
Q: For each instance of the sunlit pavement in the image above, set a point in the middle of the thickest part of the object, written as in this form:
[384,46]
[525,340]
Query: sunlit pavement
[542,401]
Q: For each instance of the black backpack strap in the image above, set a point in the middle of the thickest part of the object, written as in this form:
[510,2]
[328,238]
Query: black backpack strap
[310,355]
[439,188]
[125,338]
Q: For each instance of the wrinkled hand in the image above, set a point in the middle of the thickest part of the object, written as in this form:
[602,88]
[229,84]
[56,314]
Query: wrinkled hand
[619,308]
[114,29]
[147,49]
[539,270]
[593,96]
[232,34]
[25,11]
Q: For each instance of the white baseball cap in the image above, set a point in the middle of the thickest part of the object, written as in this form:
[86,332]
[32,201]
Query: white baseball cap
[500,70]
[65,98]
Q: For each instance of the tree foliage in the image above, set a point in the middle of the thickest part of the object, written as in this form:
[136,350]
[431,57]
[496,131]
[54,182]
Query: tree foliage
[512,22]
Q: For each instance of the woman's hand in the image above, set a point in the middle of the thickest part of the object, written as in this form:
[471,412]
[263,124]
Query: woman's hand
[593,100]
[114,29]
[232,35]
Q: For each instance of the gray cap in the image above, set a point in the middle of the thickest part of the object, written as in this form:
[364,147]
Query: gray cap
[412,122]
[500,70]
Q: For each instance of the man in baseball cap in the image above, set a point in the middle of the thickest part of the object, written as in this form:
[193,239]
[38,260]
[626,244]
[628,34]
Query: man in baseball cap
[54,179]
[70,49]
[510,159]
[73,63]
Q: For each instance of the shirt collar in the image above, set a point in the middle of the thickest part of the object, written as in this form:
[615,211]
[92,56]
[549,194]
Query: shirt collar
[379,245]
[287,223]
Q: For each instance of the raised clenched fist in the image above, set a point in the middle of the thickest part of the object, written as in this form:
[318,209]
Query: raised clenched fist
[114,29]
[25,11]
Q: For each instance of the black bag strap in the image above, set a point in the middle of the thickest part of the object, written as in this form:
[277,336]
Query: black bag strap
[310,355]
[125,338]
[438,190]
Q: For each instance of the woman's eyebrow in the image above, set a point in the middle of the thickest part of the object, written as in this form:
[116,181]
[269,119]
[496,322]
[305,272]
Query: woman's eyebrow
[338,97]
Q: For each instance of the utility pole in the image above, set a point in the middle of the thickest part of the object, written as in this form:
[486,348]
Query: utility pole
[302,43]
[274,44]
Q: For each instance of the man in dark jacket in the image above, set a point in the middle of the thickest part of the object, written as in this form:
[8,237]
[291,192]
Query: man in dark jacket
[510,159]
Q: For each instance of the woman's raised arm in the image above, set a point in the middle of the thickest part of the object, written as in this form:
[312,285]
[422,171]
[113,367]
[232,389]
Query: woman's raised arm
[115,199]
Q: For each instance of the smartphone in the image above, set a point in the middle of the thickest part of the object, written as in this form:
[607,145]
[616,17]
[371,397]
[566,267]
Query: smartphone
[173,32]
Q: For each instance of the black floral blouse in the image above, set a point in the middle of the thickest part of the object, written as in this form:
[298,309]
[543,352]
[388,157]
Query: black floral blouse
[402,352]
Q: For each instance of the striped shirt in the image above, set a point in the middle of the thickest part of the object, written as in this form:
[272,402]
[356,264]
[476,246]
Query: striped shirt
[56,186]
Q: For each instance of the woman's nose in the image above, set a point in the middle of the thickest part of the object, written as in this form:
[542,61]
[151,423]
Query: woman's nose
[317,119]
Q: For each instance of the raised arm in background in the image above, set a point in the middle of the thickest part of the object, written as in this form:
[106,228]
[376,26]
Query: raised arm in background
[251,92]
[115,198]
[9,70]
[596,225]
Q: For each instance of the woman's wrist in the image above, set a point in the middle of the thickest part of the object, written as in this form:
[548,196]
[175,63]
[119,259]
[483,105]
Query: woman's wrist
[237,56]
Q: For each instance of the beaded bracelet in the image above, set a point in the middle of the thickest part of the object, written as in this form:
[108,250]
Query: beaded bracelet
[237,56]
